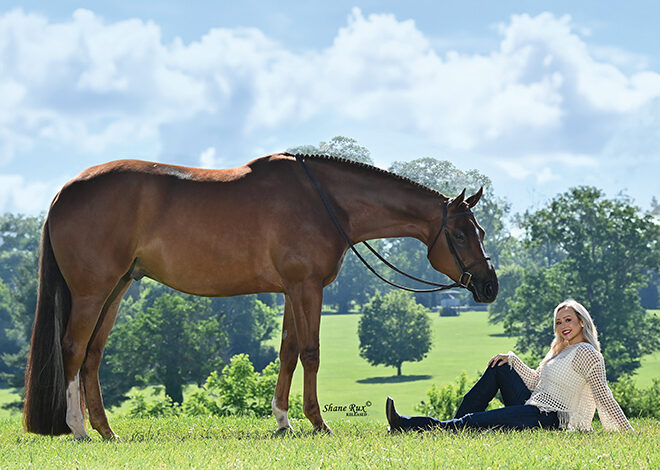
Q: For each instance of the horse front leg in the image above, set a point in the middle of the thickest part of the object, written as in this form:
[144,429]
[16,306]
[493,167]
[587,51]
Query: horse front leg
[288,362]
[306,300]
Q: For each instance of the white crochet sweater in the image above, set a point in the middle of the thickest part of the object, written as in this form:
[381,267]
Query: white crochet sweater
[573,384]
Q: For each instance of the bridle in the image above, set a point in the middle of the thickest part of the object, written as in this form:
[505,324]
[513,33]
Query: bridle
[466,277]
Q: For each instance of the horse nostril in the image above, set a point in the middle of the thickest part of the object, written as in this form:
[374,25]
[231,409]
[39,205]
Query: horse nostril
[488,290]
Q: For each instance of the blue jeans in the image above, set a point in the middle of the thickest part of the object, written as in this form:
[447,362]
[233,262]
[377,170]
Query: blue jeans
[471,413]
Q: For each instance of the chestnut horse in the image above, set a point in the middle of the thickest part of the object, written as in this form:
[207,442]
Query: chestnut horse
[261,227]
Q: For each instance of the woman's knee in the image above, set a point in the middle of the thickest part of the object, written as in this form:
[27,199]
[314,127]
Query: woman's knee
[503,370]
[497,371]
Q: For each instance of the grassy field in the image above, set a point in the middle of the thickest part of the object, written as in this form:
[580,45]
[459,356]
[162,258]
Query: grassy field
[463,343]
[250,443]
[650,368]
[460,343]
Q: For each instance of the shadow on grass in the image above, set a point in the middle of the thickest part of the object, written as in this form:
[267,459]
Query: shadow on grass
[393,379]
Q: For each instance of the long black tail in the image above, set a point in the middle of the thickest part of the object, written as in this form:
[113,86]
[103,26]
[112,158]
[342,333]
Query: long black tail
[44,411]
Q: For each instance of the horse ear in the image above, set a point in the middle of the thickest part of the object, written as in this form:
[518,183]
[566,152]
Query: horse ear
[458,199]
[472,200]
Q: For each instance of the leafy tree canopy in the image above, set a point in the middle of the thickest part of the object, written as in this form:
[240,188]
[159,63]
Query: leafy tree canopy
[20,236]
[598,251]
[19,261]
[166,339]
[338,146]
[249,324]
[394,329]
[445,177]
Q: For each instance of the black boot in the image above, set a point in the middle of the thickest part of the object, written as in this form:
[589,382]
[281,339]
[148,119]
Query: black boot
[393,417]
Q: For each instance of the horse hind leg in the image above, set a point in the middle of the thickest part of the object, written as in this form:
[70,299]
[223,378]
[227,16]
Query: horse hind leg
[288,362]
[85,312]
[90,369]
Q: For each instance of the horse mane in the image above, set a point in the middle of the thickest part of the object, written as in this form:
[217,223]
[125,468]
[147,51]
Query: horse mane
[367,167]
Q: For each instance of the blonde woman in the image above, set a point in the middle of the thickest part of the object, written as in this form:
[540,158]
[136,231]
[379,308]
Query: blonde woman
[562,393]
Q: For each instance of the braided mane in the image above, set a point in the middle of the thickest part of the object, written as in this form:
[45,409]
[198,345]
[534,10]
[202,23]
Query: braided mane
[365,166]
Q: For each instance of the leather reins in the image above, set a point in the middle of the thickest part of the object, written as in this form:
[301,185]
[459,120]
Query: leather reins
[466,276]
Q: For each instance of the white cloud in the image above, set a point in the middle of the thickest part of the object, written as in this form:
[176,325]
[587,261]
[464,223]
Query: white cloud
[545,175]
[90,86]
[638,137]
[24,197]
[544,168]
[89,83]
[207,158]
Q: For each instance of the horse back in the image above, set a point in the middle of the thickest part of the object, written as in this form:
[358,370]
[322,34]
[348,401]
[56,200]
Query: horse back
[207,232]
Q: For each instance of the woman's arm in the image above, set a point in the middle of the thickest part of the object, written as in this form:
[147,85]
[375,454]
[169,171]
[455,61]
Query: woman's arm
[529,376]
[609,411]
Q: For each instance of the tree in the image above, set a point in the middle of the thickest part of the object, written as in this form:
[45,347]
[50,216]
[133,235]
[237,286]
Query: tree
[355,284]
[224,326]
[249,324]
[598,251]
[20,237]
[650,297]
[446,178]
[19,261]
[338,146]
[655,206]
[394,329]
[167,338]
[8,345]
[509,278]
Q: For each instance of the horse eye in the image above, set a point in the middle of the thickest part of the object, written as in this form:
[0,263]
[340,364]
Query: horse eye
[458,235]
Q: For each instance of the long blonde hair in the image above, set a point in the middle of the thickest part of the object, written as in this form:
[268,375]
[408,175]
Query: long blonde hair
[588,329]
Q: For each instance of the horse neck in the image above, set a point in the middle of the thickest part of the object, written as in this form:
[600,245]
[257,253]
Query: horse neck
[377,205]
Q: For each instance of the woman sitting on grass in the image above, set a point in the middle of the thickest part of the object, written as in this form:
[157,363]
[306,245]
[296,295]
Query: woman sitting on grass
[563,393]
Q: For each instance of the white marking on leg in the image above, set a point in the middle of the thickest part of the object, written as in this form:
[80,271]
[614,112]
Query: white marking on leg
[74,418]
[281,416]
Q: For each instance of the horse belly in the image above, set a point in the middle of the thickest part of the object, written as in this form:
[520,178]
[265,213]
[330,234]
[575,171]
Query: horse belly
[200,255]
[207,274]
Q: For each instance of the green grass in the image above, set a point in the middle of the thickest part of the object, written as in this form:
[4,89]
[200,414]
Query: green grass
[7,396]
[250,443]
[459,343]
[463,343]
[650,368]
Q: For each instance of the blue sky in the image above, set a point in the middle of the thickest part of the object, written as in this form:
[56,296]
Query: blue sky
[540,97]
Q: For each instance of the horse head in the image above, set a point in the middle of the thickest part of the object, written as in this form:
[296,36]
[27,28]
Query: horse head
[457,248]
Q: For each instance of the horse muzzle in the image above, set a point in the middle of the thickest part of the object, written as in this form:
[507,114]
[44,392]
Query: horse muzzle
[484,290]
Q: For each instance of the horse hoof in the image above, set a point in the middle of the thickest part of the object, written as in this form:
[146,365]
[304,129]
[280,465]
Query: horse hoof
[108,435]
[82,438]
[285,431]
[324,429]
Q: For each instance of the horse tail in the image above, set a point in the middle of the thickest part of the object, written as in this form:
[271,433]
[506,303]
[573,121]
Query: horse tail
[44,411]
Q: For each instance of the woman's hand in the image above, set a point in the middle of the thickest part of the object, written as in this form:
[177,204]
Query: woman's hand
[498,360]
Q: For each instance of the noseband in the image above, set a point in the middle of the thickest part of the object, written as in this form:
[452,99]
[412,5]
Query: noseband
[465,278]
